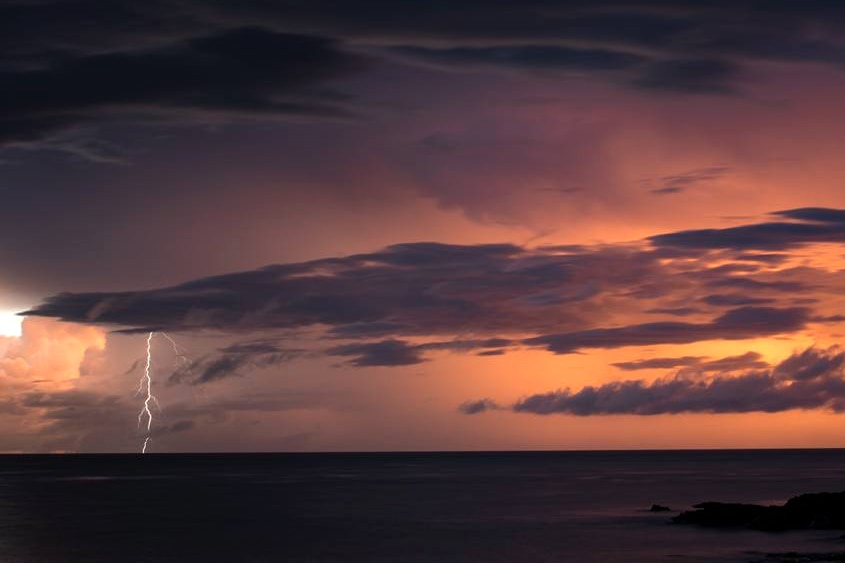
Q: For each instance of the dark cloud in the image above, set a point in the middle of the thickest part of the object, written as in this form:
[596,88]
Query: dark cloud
[718,29]
[479,406]
[420,288]
[667,190]
[491,353]
[676,183]
[498,22]
[366,330]
[523,56]
[750,284]
[66,63]
[232,361]
[768,258]
[86,26]
[749,360]
[705,76]
[660,363]
[810,364]
[384,353]
[675,311]
[733,268]
[815,214]
[237,72]
[401,353]
[693,48]
[444,292]
[465,345]
[810,225]
[252,348]
[733,300]
[736,324]
[221,367]
[812,379]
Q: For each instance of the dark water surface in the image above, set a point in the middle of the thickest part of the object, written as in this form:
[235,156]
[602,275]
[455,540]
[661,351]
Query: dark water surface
[398,507]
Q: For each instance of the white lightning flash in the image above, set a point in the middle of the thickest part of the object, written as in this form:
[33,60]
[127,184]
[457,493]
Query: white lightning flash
[145,386]
[178,350]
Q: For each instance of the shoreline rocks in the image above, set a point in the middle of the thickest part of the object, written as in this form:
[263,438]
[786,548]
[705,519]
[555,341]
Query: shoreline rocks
[814,511]
[792,557]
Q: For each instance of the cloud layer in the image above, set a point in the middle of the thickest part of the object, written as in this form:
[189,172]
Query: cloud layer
[812,379]
[228,59]
[398,304]
[240,72]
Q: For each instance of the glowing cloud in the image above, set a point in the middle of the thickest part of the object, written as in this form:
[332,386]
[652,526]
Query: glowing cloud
[49,352]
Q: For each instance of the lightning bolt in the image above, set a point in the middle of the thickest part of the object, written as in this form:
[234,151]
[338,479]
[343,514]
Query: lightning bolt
[145,386]
[178,350]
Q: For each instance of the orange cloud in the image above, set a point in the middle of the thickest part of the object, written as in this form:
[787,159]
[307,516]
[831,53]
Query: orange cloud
[49,352]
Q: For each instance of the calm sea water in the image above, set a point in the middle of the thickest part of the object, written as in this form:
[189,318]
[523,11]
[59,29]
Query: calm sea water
[404,507]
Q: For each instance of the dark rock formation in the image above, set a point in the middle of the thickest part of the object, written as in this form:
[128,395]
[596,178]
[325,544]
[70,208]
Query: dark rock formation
[792,557]
[819,511]
[659,508]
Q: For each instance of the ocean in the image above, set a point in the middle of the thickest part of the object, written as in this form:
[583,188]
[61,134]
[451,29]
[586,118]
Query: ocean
[399,507]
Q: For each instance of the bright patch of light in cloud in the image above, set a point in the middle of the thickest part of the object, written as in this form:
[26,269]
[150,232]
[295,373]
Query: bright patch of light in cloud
[10,324]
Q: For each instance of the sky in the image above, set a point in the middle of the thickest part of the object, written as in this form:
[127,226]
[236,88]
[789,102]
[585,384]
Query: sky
[410,225]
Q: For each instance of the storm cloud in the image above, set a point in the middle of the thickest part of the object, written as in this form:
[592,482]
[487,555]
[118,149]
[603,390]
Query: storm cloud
[228,59]
[811,379]
[504,295]
[238,72]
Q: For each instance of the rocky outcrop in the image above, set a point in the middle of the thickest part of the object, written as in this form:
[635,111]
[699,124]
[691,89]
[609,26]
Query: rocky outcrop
[792,557]
[818,511]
